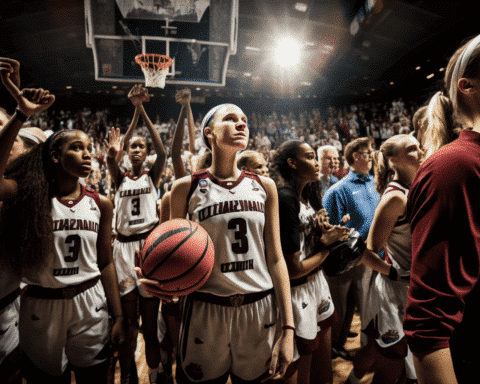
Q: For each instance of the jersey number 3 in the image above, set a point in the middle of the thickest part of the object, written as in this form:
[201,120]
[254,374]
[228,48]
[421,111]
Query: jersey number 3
[135,206]
[74,249]
[240,227]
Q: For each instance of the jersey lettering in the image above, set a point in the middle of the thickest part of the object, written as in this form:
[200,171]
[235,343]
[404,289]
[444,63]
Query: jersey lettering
[230,206]
[74,224]
[237,266]
[135,192]
[65,271]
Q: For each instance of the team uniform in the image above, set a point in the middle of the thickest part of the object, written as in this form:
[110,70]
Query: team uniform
[444,293]
[388,298]
[136,216]
[63,313]
[234,313]
[9,315]
[313,307]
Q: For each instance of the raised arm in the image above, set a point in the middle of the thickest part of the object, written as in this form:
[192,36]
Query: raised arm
[29,102]
[182,97]
[114,147]
[159,164]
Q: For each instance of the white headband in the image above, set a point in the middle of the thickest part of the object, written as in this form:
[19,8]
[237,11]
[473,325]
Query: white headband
[26,133]
[206,121]
[459,68]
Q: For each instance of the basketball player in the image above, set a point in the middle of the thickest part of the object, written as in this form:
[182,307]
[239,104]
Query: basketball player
[253,161]
[235,313]
[58,233]
[441,320]
[136,215]
[313,307]
[395,165]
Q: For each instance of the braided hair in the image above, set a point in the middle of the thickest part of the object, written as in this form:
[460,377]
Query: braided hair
[26,227]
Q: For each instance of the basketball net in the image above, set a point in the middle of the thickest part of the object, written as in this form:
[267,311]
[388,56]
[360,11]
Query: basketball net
[155,68]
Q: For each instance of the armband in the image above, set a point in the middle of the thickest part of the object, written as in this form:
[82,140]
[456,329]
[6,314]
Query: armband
[288,327]
[20,115]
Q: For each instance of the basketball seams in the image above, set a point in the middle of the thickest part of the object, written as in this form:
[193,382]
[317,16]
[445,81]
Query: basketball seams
[173,256]
[187,289]
[186,272]
[160,263]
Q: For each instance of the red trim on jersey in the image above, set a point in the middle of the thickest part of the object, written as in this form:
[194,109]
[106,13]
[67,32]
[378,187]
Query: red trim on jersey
[127,174]
[254,176]
[94,195]
[69,202]
[394,188]
[387,259]
[226,184]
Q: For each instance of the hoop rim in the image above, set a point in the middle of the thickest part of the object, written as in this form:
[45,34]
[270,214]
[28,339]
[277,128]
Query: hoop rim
[163,62]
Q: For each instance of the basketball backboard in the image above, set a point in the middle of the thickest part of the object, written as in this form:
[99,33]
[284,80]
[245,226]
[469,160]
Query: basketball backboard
[199,35]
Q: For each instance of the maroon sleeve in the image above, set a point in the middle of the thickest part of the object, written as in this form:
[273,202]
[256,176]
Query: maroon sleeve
[442,203]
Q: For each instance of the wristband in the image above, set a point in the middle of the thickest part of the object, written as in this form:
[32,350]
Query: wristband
[288,327]
[20,115]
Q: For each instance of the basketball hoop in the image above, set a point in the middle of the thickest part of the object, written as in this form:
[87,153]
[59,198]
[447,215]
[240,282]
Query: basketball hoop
[155,68]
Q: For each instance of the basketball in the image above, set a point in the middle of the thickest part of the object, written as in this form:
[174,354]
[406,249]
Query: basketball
[179,254]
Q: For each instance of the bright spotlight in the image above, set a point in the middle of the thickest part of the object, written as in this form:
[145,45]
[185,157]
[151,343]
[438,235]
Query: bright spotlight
[287,52]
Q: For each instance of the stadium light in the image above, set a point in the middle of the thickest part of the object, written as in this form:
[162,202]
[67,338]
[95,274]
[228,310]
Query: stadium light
[287,52]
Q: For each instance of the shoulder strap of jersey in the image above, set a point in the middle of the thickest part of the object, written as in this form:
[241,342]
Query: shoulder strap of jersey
[93,194]
[196,177]
[254,176]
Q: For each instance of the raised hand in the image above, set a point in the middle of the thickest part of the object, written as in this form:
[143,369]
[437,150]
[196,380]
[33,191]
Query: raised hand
[138,94]
[114,143]
[30,100]
[13,68]
[183,96]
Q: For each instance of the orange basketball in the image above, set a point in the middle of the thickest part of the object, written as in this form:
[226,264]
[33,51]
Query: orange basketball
[179,254]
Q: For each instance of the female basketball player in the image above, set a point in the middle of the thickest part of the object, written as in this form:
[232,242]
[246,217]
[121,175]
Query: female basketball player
[229,326]
[59,234]
[395,165]
[441,321]
[136,215]
[313,307]
[10,279]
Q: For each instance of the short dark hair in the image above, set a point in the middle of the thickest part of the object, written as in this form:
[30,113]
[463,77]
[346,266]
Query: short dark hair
[355,146]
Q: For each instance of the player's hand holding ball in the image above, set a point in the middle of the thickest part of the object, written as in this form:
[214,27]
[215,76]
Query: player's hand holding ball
[176,259]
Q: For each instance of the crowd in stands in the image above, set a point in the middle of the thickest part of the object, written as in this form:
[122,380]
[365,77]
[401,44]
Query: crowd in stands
[335,126]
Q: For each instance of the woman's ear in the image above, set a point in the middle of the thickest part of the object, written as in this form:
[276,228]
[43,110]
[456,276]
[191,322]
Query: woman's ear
[55,157]
[292,163]
[467,86]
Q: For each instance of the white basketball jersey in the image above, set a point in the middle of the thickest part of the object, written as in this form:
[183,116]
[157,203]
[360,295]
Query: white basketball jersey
[75,231]
[136,205]
[233,214]
[307,219]
[399,243]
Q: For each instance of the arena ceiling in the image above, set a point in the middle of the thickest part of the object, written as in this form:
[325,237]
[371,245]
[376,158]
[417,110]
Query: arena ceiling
[378,61]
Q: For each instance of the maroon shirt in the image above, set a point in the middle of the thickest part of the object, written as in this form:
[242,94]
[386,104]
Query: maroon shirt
[444,213]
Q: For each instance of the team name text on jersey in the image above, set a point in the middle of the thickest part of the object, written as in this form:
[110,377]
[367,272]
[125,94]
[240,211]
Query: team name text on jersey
[135,192]
[75,224]
[230,206]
